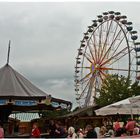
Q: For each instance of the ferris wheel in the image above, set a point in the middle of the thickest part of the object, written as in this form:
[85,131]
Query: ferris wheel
[108,47]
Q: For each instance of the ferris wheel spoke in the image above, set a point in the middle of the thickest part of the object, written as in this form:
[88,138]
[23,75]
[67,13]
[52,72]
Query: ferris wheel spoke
[86,80]
[83,67]
[107,34]
[83,91]
[119,58]
[115,32]
[119,45]
[104,74]
[89,92]
[116,69]
[91,52]
[87,57]
[83,59]
[100,76]
[112,57]
[107,52]
[95,49]
[94,46]
[100,41]
[104,45]
[97,82]
[85,77]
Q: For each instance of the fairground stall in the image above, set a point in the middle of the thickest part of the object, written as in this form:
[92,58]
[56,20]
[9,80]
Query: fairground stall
[19,94]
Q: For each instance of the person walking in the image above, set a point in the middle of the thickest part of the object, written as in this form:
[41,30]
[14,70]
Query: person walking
[97,129]
[35,131]
[59,131]
[102,131]
[52,128]
[80,133]
[130,126]
[117,128]
[91,133]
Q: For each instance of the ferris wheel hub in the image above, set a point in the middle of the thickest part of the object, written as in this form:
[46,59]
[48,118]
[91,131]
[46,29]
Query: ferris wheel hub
[94,68]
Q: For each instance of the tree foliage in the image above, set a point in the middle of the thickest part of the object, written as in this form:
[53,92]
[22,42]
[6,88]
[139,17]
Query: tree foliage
[54,113]
[135,88]
[116,88]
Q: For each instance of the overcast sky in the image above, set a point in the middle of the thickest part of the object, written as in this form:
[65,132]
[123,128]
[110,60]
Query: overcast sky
[45,38]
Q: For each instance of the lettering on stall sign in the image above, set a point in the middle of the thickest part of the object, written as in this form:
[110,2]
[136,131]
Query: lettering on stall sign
[2,102]
[25,102]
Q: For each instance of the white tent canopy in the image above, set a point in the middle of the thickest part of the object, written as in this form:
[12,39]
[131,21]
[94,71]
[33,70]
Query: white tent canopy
[122,107]
[135,100]
[24,117]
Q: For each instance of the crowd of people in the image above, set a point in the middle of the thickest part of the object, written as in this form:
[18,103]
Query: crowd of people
[130,128]
[57,130]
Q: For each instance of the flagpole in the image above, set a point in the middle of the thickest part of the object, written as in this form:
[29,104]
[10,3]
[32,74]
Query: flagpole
[8,52]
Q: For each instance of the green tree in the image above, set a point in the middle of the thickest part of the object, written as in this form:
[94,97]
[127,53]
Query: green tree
[135,88]
[114,88]
[54,113]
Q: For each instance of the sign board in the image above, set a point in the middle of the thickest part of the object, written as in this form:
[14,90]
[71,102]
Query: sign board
[25,102]
[63,106]
[2,102]
[55,104]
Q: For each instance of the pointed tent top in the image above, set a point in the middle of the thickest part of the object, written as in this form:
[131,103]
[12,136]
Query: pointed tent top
[13,84]
[8,52]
